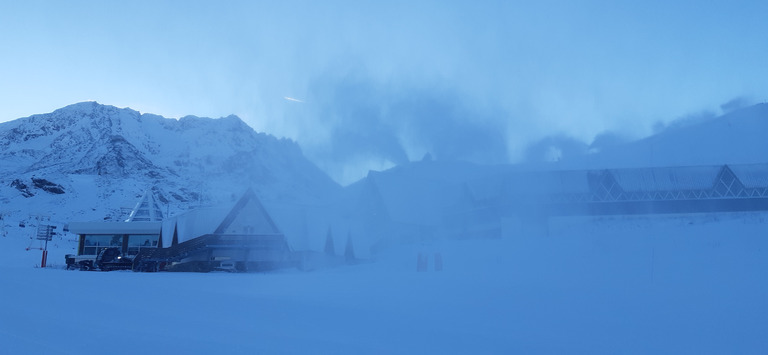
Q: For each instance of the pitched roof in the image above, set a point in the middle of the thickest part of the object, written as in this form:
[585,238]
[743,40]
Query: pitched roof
[146,210]
[248,216]
[667,178]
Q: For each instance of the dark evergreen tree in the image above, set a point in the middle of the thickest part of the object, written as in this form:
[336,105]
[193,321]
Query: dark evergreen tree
[330,249]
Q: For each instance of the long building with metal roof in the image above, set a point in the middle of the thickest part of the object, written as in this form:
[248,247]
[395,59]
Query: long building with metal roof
[538,195]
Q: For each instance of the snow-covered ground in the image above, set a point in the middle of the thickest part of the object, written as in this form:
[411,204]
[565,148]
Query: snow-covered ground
[692,284]
[671,284]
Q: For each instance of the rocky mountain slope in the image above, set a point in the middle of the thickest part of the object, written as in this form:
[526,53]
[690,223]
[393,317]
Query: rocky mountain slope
[87,160]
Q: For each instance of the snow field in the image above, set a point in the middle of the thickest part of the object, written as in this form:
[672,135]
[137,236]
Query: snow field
[662,284]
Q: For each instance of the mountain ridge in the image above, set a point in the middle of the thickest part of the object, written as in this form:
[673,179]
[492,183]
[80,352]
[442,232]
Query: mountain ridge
[122,152]
[736,137]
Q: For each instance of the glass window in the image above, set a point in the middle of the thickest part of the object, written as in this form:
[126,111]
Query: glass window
[138,241]
[116,241]
[94,242]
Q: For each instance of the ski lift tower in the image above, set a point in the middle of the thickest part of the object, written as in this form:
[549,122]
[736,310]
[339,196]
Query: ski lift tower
[45,232]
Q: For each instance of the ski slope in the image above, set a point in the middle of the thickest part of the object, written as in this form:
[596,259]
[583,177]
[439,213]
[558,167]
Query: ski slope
[637,285]
[653,284]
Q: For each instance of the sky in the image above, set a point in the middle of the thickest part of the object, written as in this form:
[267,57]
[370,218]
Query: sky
[370,84]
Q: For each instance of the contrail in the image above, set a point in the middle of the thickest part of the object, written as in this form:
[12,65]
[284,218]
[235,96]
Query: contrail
[292,99]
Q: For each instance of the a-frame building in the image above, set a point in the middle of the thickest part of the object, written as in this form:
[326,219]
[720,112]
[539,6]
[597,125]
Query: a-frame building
[248,216]
[241,238]
[146,210]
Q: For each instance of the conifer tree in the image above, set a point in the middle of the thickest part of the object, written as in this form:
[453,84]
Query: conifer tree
[330,249]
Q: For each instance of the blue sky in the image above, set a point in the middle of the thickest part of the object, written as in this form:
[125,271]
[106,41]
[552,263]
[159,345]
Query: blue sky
[385,82]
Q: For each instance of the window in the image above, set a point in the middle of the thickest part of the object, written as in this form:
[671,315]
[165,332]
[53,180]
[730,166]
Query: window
[94,242]
[138,241]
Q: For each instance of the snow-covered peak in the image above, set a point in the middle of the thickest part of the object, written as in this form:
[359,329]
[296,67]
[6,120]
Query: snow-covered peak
[123,152]
[734,138]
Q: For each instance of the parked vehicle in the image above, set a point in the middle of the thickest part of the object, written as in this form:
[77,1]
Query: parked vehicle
[107,259]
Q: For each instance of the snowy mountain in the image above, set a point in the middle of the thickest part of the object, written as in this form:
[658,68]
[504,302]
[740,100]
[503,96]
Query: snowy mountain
[52,162]
[738,137]
[87,160]
[636,284]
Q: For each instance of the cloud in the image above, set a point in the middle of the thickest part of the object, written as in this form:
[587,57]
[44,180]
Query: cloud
[292,99]
[555,148]
[735,104]
[685,121]
[364,120]
[607,140]
[448,126]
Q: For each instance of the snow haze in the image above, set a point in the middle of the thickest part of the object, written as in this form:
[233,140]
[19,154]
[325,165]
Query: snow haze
[412,74]
[494,280]
[681,284]
[451,177]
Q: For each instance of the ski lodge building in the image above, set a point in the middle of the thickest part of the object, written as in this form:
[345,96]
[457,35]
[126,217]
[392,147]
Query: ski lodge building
[533,197]
[239,238]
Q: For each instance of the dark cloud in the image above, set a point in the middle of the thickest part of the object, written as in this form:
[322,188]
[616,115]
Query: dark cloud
[366,119]
[354,112]
[449,127]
